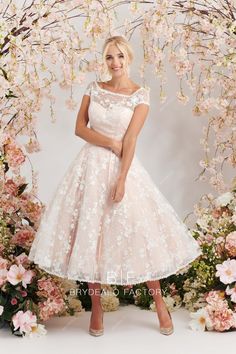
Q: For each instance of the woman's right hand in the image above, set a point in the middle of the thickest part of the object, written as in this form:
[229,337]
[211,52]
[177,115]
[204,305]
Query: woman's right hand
[117,147]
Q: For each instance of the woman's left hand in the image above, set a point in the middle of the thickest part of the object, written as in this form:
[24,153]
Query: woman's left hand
[118,190]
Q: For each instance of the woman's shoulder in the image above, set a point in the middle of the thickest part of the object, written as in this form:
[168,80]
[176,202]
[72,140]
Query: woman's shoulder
[89,88]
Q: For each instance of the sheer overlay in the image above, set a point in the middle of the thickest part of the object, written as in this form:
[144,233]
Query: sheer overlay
[85,236]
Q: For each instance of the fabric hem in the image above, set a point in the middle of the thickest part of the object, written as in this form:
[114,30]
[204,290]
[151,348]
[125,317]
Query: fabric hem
[121,283]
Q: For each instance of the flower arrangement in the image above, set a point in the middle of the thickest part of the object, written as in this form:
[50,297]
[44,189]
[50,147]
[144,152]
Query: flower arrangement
[27,294]
[210,287]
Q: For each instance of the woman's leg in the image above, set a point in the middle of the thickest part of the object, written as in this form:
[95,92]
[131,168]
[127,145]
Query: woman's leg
[97,311]
[162,312]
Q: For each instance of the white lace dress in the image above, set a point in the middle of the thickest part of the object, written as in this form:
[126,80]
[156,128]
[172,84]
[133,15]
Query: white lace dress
[84,236]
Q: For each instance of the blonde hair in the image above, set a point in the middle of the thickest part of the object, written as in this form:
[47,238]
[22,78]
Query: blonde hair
[123,45]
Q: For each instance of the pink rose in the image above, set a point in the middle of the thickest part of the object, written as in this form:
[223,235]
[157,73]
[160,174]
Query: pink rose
[14,301]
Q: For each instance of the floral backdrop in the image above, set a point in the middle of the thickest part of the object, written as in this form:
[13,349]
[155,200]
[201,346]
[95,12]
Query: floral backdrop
[40,47]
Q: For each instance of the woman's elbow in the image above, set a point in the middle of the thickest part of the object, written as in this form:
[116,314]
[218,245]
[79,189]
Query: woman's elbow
[79,130]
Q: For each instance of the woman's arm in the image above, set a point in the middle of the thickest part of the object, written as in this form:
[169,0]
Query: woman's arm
[128,148]
[89,134]
[130,138]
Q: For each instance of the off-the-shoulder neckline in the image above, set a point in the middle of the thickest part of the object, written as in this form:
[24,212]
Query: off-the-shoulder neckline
[116,93]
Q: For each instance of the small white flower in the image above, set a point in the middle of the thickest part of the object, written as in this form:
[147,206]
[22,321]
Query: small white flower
[1,309]
[37,331]
[200,320]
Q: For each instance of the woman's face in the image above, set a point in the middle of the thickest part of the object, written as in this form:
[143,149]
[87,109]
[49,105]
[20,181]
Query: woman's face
[115,61]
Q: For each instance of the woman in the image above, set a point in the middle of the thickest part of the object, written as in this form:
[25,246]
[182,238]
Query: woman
[108,223]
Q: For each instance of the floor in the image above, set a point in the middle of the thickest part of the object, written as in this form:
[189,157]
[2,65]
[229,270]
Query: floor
[128,330]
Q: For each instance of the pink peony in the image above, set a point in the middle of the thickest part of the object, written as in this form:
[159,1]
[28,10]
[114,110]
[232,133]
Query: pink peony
[25,321]
[221,317]
[227,271]
[17,274]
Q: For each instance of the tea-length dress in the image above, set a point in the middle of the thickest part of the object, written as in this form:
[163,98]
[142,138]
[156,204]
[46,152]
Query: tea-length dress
[85,236]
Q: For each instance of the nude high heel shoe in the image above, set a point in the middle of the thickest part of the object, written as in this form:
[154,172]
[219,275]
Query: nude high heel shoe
[96,332]
[167,330]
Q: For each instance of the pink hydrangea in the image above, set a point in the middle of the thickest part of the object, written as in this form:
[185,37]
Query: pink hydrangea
[23,238]
[50,307]
[222,318]
[214,297]
[48,288]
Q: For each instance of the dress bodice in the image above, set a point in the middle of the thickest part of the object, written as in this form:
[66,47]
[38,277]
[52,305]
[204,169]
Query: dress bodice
[110,112]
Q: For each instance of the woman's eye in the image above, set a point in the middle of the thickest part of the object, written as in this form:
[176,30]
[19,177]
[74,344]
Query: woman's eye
[120,56]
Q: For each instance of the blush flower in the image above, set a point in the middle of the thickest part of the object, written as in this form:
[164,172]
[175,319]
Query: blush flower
[227,271]
[3,271]
[17,274]
[14,155]
[232,292]
[24,321]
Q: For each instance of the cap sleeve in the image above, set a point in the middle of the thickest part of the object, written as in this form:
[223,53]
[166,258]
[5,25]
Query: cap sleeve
[143,96]
[88,89]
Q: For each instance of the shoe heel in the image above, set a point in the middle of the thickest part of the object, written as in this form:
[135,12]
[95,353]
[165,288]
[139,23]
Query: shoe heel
[96,332]
[167,330]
